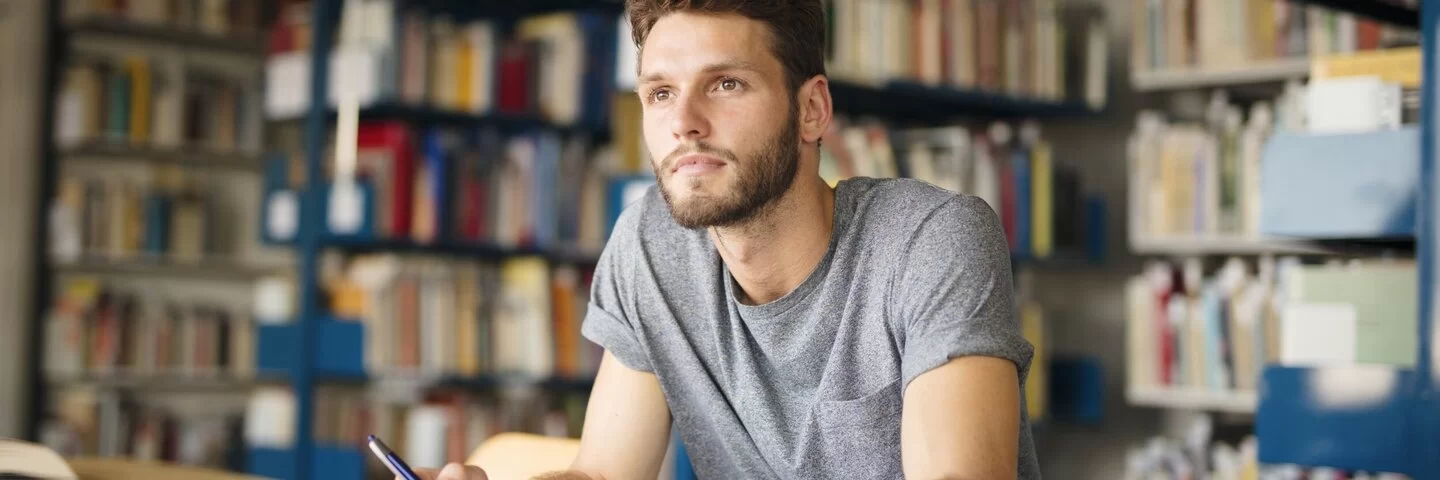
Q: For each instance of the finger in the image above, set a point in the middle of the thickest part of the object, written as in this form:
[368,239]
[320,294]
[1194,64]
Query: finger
[424,473]
[455,471]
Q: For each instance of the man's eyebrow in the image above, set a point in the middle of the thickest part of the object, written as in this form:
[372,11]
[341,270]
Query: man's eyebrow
[710,68]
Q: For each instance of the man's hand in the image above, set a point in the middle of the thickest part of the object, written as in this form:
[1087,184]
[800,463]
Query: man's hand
[453,471]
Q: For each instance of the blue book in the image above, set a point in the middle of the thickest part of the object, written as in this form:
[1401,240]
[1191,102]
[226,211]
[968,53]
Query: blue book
[544,214]
[436,165]
[157,223]
[1020,168]
[601,34]
[620,193]
[117,125]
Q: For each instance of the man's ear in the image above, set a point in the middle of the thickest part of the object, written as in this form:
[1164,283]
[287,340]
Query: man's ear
[816,108]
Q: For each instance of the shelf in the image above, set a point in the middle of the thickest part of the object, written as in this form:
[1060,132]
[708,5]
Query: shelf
[1192,399]
[246,44]
[492,382]
[1195,246]
[410,381]
[458,249]
[212,269]
[1374,10]
[1192,77]
[188,158]
[174,382]
[906,100]
[424,115]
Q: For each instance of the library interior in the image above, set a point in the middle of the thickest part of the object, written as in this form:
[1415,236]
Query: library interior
[207,272]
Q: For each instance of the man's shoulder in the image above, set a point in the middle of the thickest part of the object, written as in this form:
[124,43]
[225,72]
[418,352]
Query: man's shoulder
[908,204]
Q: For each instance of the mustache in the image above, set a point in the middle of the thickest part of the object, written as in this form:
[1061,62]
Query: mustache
[700,148]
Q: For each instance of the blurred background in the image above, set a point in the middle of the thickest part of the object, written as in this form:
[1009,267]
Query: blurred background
[1213,207]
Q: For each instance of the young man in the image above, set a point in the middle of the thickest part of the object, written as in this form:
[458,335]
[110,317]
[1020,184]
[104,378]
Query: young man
[787,328]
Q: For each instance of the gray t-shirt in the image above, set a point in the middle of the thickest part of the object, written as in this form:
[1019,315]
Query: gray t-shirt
[811,385]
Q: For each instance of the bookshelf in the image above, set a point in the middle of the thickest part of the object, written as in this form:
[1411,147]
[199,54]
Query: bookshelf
[144,324]
[1374,411]
[321,349]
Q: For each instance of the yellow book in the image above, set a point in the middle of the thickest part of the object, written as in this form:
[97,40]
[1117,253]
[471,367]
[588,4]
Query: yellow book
[139,70]
[464,55]
[1262,30]
[347,300]
[1032,327]
[1398,65]
[467,294]
[1041,214]
[625,116]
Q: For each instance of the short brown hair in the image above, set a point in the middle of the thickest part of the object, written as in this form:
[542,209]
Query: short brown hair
[797,28]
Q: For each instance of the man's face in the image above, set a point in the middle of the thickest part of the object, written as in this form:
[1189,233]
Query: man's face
[719,121]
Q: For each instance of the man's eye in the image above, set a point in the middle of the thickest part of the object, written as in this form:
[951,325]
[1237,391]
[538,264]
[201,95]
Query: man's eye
[659,95]
[729,84]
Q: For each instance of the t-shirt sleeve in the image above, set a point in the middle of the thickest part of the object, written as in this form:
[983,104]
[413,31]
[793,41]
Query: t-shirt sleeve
[608,322]
[955,291]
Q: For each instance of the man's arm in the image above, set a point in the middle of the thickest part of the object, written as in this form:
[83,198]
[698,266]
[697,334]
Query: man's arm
[961,421]
[627,429]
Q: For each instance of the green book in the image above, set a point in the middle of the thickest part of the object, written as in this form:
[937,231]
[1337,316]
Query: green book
[1385,296]
[117,124]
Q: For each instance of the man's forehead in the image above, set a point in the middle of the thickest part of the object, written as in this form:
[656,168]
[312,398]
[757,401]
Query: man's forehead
[685,43]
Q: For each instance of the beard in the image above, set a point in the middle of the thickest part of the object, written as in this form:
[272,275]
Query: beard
[760,180]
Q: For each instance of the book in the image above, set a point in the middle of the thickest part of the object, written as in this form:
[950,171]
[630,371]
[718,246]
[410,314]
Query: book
[30,460]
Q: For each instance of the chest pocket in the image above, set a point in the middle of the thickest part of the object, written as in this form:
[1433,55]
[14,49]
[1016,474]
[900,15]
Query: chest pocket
[861,437]
[880,408]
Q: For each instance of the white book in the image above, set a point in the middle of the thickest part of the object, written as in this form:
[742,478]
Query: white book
[986,177]
[442,63]
[962,43]
[1096,63]
[627,56]
[425,436]
[929,49]
[481,36]
[1345,26]
[1142,357]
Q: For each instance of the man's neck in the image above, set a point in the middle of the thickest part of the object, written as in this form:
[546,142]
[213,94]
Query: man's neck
[773,253]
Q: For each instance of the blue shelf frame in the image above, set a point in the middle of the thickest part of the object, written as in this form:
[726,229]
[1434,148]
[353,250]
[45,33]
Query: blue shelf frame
[1399,431]
[1427,459]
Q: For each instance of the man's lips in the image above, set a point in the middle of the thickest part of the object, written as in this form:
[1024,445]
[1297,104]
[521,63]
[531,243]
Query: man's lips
[696,164]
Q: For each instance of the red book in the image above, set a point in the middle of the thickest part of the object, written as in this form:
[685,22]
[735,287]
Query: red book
[1000,158]
[1367,34]
[386,154]
[946,6]
[517,64]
